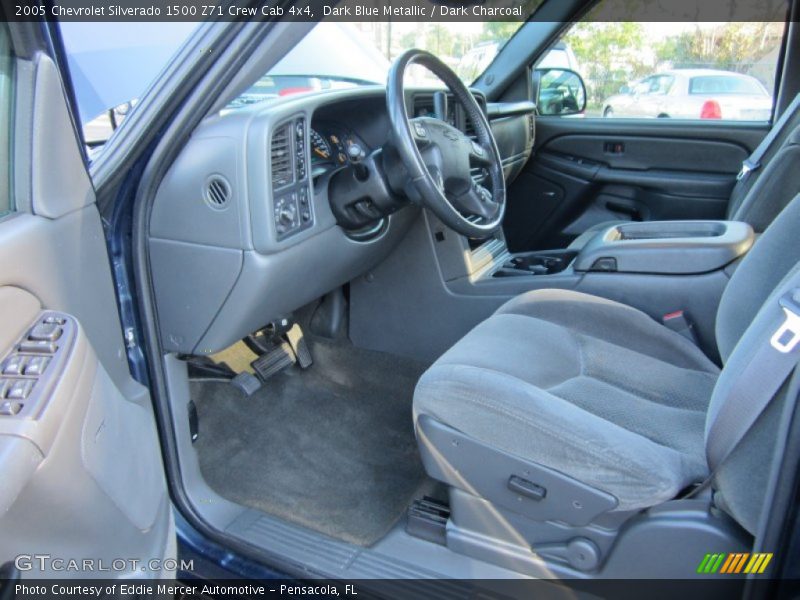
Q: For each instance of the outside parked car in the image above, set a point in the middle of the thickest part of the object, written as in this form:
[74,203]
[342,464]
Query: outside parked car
[692,94]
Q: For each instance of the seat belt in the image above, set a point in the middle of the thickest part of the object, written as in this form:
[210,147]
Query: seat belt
[753,162]
[760,380]
[762,377]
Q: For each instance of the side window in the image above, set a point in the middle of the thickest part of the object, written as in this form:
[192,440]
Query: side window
[111,64]
[677,70]
[6,123]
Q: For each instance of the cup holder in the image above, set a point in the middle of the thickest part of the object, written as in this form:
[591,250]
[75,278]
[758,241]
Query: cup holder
[546,263]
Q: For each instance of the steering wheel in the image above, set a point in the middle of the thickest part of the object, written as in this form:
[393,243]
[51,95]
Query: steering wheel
[439,157]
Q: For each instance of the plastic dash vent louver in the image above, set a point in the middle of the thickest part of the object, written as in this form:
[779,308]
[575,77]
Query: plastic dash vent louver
[281,157]
[217,192]
[469,126]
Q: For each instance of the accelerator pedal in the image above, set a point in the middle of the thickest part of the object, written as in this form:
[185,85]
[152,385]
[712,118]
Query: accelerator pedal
[274,360]
[298,343]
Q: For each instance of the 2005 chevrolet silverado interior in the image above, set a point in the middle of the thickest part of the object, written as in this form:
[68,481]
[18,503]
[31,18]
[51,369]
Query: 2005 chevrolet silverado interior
[316,287]
[417,331]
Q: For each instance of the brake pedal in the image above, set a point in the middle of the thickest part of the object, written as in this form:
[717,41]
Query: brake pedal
[274,361]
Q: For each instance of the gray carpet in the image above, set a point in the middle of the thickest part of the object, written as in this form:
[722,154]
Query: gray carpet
[331,448]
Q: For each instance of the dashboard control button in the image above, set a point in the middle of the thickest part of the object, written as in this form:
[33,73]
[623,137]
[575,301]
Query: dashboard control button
[10,408]
[45,331]
[37,347]
[14,364]
[19,389]
[355,152]
[36,365]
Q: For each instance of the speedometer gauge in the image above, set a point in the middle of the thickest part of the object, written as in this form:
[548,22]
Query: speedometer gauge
[320,149]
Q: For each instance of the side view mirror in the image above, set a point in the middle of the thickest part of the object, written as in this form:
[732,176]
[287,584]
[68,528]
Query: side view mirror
[559,92]
[625,89]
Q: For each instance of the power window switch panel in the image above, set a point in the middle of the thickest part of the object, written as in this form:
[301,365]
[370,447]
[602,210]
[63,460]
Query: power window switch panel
[14,364]
[48,332]
[9,408]
[19,389]
[36,365]
[54,319]
[37,347]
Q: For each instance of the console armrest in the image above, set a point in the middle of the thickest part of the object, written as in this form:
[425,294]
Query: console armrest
[666,247]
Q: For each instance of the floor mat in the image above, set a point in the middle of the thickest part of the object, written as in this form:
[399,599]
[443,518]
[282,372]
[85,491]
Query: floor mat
[331,448]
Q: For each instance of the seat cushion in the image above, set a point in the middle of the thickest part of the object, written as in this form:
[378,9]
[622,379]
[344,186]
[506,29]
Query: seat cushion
[589,387]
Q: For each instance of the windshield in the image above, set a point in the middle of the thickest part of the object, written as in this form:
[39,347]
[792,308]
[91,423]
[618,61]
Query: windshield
[340,55]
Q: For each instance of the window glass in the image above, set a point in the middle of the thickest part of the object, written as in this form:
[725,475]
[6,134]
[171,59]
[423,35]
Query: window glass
[726,84]
[361,54]
[112,64]
[6,123]
[679,70]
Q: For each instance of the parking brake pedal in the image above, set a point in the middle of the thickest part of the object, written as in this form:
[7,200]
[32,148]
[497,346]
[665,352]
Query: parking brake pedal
[427,519]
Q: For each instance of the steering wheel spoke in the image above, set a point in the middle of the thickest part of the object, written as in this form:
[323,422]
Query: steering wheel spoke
[419,131]
[478,155]
[477,201]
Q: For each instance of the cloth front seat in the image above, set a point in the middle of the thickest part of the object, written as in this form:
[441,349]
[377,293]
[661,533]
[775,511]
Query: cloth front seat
[605,394]
[589,387]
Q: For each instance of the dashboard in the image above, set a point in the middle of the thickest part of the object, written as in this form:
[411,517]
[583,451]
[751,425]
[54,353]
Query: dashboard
[242,229]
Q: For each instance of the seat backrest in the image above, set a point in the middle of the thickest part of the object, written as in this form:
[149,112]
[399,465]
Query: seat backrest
[786,127]
[773,189]
[747,308]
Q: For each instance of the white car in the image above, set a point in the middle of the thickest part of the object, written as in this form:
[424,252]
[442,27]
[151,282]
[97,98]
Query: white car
[693,94]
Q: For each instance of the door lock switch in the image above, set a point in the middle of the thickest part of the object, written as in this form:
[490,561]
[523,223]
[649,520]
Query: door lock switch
[37,347]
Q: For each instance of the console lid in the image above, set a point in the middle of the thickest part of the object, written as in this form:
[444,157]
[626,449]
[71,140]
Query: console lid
[666,247]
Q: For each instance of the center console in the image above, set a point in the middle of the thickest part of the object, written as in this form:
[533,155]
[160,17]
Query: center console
[655,247]
[436,275]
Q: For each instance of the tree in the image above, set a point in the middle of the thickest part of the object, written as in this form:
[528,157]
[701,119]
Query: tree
[499,31]
[610,54]
[439,40]
[732,46]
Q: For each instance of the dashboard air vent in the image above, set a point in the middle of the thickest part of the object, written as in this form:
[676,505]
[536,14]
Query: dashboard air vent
[217,192]
[281,157]
[469,128]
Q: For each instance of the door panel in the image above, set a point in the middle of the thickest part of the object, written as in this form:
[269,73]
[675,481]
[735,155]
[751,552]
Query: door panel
[589,171]
[79,451]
